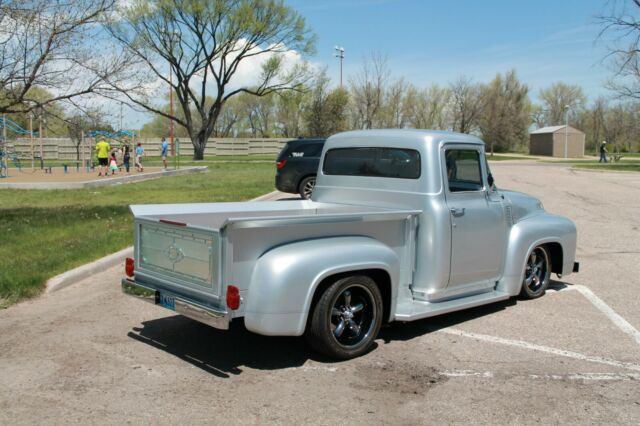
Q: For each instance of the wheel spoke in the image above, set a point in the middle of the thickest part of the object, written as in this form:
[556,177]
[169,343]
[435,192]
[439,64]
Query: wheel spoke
[357,308]
[529,280]
[339,329]
[335,312]
[539,264]
[347,299]
[533,257]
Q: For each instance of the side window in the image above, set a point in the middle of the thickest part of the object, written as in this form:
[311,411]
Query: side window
[463,170]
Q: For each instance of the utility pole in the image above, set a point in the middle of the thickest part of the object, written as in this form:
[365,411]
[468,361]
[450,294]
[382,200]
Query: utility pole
[340,54]
[566,129]
[31,139]
[171,110]
[40,118]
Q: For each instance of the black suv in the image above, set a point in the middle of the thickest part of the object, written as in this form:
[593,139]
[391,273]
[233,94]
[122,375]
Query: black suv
[297,165]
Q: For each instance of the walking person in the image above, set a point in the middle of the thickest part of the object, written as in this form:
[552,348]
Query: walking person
[102,149]
[126,157]
[139,154]
[603,152]
[165,152]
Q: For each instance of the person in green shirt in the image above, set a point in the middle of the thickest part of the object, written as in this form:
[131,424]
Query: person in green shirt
[102,149]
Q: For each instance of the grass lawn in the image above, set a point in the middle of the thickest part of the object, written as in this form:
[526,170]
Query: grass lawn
[46,232]
[620,166]
[501,157]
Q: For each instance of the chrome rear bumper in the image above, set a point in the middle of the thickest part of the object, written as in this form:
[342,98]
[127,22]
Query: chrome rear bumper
[204,314]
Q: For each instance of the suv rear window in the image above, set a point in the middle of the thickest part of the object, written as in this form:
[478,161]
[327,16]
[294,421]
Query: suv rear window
[379,162]
[311,149]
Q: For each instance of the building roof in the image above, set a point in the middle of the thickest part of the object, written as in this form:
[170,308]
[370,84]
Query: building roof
[554,129]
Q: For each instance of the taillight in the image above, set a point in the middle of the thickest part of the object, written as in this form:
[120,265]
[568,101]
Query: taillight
[129,266]
[233,297]
[280,164]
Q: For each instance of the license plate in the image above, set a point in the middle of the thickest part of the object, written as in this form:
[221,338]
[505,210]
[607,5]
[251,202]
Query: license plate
[166,301]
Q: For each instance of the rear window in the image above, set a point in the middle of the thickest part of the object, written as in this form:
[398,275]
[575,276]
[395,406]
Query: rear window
[377,162]
[311,149]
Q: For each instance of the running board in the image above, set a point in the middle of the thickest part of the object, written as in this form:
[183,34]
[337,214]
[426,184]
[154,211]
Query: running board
[420,309]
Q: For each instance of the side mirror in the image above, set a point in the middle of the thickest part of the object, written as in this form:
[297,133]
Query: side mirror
[490,180]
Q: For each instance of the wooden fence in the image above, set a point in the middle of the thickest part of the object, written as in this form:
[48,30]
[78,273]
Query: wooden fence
[65,149]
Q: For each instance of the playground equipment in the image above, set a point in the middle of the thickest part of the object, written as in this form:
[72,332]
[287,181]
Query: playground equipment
[6,153]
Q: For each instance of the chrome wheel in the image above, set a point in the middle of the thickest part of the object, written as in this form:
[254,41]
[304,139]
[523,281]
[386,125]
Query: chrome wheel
[346,318]
[352,316]
[536,273]
[306,187]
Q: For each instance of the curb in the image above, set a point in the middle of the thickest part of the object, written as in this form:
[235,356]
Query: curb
[74,275]
[118,180]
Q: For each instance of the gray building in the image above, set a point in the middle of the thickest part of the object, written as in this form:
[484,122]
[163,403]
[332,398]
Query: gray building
[557,141]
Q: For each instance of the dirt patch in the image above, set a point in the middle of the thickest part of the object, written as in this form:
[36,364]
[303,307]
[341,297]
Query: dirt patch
[397,377]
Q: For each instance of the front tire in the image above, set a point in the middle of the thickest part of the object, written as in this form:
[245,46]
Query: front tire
[537,273]
[306,187]
[347,318]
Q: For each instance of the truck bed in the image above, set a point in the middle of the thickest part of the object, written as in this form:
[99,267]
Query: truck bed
[215,216]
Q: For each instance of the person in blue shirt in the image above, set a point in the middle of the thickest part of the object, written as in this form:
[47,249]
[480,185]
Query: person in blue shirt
[139,154]
[165,152]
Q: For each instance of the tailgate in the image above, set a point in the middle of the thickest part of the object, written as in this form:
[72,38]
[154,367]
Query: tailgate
[182,255]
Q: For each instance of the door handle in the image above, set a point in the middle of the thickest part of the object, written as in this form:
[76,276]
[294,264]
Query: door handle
[457,211]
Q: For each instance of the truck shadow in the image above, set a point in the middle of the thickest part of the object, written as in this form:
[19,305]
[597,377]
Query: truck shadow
[224,353]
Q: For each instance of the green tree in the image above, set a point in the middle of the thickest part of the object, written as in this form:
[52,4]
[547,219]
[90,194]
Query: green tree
[326,111]
[504,118]
[205,43]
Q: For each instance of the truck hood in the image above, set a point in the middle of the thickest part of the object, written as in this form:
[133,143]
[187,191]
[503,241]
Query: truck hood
[522,205]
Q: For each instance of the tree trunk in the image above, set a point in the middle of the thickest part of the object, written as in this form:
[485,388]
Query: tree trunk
[198,148]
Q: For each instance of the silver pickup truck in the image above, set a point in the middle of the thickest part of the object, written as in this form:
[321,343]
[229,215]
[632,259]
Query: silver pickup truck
[402,225]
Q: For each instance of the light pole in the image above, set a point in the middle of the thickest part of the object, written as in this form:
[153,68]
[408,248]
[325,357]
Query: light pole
[171,110]
[340,54]
[566,128]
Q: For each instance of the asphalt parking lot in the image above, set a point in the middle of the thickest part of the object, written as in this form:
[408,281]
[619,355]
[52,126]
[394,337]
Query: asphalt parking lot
[88,354]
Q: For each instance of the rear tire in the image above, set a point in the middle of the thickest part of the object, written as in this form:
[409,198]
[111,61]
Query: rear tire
[306,187]
[537,273]
[346,319]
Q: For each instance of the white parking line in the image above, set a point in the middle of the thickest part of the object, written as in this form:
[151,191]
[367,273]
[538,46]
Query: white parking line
[541,348]
[620,322]
[597,377]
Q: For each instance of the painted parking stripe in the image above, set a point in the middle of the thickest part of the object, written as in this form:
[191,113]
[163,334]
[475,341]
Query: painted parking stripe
[541,348]
[620,322]
[588,377]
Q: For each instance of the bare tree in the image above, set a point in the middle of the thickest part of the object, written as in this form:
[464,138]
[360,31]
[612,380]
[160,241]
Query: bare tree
[50,44]
[557,97]
[427,108]
[367,91]
[466,100]
[205,43]
[622,23]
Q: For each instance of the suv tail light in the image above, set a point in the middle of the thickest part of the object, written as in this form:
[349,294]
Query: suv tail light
[280,164]
[129,266]
[233,297]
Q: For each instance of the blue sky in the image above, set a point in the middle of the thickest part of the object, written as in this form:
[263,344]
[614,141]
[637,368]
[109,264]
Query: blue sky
[436,41]
[429,41]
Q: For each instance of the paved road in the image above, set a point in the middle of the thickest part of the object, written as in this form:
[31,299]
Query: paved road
[88,354]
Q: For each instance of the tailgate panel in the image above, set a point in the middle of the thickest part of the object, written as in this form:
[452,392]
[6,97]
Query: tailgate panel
[191,256]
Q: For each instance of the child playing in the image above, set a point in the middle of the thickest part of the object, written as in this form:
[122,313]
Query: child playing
[113,163]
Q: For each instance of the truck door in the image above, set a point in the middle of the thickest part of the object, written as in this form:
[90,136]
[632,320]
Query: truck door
[478,228]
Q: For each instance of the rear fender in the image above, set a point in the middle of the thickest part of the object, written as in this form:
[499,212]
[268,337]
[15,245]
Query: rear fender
[285,279]
[530,233]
